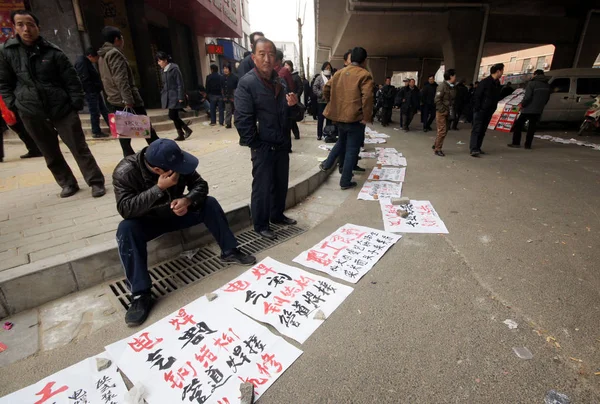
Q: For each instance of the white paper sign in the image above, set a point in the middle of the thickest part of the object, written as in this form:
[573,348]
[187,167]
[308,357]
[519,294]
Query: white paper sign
[394,174]
[367,155]
[374,190]
[284,296]
[349,253]
[201,354]
[326,147]
[80,383]
[375,135]
[384,151]
[375,141]
[394,160]
[422,218]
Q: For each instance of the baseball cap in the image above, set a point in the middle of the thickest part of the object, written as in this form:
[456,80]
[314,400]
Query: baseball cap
[166,154]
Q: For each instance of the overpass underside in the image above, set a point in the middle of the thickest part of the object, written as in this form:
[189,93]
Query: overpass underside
[420,35]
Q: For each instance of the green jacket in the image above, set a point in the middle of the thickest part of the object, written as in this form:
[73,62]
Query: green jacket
[444,98]
[39,80]
[117,77]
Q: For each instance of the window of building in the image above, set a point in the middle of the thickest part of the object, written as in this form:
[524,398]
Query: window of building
[526,63]
[589,86]
[540,62]
[560,85]
[513,59]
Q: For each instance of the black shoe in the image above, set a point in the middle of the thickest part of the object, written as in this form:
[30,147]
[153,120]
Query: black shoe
[238,257]
[98,191]
[439,153]
[179,138]
[516,146]
[474,153]
[139,309]
[319,137]
[425,130]
[30,155]
[100,135]
[349,186]
[322,167]
[188,132]
[285,220]
[69,190]
[359,169]
[242,143]
[297,137]
[481,151]
[268,234]
[527,147]
[227,126]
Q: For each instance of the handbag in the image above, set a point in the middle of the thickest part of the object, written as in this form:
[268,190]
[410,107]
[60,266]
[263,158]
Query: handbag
[125,124]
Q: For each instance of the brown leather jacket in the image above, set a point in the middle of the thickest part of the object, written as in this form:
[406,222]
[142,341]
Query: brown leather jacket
[350,95]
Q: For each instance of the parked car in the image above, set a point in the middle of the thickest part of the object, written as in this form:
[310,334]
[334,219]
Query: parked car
[571,91]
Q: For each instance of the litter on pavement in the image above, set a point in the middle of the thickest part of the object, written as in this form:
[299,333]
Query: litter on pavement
[8,325]
[523,353]
[511,324]
[554,397]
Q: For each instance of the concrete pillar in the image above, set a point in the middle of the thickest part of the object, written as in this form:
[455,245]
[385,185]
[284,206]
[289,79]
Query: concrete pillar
[564,54]
[377,68]
[591,43]
[428,66]
[203,58]
[59,28]
[461,46]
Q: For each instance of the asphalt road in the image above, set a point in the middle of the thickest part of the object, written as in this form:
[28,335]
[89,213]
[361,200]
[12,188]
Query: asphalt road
[426,323]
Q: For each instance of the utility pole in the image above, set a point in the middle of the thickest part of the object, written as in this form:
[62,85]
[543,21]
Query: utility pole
[308,68]
[300,24]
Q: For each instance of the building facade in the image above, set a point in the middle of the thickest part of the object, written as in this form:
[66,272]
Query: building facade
[290,52]
[520,62]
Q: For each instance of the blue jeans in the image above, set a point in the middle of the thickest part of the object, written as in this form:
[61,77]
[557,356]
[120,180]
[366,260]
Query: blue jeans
[321,120]
[134,234]
[97,107]
[351,137]
[216,100]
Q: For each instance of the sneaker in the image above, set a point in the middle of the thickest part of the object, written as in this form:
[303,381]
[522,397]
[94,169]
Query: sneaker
[238,257]
[139,309]
[349,186]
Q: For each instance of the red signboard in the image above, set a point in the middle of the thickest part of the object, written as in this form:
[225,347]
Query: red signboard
[214,49]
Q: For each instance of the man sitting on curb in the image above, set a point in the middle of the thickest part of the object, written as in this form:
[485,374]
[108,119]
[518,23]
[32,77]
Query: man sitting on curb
[149,188]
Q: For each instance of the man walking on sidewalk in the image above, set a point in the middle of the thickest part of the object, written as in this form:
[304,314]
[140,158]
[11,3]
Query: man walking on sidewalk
[444,98]
[536,97]
[37,79]
[350,97]
[408,99]
[215,95]
[92,86]
[229,83]
[428,109]
[387,101]
[149,189]
[261,102]
[119,86]
[485,101]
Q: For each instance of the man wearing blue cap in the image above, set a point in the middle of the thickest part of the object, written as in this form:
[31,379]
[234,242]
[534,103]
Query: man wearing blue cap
[149,188]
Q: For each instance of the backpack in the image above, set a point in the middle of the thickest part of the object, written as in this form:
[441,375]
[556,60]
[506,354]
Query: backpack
[330,133]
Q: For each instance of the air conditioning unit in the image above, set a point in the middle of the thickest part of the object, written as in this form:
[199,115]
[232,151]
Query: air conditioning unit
[546,65]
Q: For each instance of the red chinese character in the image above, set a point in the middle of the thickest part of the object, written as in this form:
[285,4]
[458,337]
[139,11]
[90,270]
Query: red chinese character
[289,291]
[271,308]
[170,377]
[353,232]
[270,361]
[261,270]
[318,257]
[428,222]
[182,318]
[340,238]
[225,401]
[255,382]
[47,392]
[337,250]
[280,301]
[225,339]
[178,379]
[237,286]
[424,210]
[396,222]
[303,282]
[143,342]
[263,369]
[205,356]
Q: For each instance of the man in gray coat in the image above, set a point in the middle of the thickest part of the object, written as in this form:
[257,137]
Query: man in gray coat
[536,97]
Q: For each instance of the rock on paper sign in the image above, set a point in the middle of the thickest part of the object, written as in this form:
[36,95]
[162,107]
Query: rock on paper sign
[374,190]
[422,218]
[349,253]
[202,353]
[80,383]
[394,174]
[284,296]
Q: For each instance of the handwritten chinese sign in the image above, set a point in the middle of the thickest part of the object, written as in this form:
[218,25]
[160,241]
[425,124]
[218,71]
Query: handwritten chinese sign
[422,218]
[285,297]
[367,155]
[349,253]
[202,353]
[81,383]
[374,190]
[375,141]
[389,156]
[394,174]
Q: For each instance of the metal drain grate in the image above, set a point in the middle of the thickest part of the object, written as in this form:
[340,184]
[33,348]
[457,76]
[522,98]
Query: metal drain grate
[171,275]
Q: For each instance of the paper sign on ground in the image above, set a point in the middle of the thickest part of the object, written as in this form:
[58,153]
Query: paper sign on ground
[388,157]
[367,155]
[284,296]
[384,151]
[374,135]
[201,354]
[80,383]
[349,253]
[422,218]
[375,141]
[394,174]
[326,147]
[374,190]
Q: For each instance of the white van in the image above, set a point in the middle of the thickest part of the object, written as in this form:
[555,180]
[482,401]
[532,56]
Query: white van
[570,91]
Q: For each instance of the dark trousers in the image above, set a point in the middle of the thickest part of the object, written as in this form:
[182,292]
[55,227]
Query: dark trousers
[295,129]
[20,130]
[427,115]
[350,137]
[134,234]
[45,133]
[126,142]
[458,111]
[97,107]
[228,112]
[179,124]
[407,116]
[518,128]
[481,120]
[216,101]
[321,118]
[270,175]
[386,116]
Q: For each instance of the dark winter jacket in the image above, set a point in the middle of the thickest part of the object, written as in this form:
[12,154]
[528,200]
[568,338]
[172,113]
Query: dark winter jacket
[428,93]
[408,99]
[506,91]
[299,85]
[444,98]
[39,80]
[262,115]
[246,65]
[213,84]
[138,194]
[173,89]
[461,95]
[536,96]
[487,95]
[228,86]
[117,77]
[89,76]
[388,93]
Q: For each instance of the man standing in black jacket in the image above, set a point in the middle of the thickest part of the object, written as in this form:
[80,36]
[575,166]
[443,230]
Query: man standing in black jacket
[409,100]
[92,86]
[229,83]
[263,112]
[387,101]
[485,102]
[37,79]
[460,102]
[428,102]
[149,190]
[215,95]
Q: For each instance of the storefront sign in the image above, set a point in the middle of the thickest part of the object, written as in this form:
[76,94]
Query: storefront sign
[213,49]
